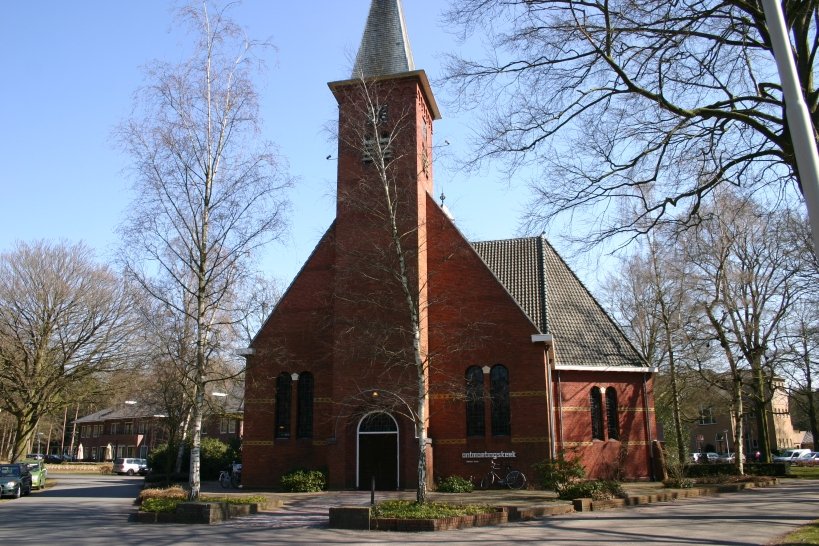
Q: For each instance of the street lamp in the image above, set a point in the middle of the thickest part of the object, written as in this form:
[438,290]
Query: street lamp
[727,442]
[39,436]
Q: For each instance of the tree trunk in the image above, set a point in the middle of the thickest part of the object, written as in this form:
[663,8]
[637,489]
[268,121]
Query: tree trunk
[26,423]
[739,450]
[761,410]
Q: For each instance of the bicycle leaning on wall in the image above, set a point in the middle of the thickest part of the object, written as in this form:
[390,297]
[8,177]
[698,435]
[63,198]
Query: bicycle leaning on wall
[513,479]
[231,477]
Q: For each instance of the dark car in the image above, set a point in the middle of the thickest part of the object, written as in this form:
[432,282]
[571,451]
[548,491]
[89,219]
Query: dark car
[15,480]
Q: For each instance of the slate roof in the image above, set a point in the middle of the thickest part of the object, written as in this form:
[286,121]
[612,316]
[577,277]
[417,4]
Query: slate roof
[558,303]
[385,47]
[124,411]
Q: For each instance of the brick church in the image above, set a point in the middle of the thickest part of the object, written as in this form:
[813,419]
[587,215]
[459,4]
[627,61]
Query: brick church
[509,354]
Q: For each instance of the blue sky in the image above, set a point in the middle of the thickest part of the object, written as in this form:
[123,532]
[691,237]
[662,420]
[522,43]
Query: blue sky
[70,71]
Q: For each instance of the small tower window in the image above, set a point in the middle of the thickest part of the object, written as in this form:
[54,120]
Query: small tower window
[372,149]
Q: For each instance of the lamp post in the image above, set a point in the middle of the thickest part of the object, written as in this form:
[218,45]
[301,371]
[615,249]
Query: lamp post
[727,442]
[39,436]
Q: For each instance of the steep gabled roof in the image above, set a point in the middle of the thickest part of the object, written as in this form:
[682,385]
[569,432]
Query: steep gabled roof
[385,47]
[558,303]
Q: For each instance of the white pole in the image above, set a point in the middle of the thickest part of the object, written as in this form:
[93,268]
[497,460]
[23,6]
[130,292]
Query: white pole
[801,128]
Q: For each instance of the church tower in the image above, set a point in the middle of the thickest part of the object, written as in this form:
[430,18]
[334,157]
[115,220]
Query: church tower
[386,110]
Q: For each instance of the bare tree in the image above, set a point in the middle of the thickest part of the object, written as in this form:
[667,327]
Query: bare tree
[647,105]
[747,280]
[209,191]
[649,295]
[64,322]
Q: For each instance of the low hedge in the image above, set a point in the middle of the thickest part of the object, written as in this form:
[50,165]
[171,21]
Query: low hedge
[729,469]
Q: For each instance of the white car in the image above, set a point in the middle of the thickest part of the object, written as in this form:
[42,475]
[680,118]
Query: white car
[790,455]
[129,466]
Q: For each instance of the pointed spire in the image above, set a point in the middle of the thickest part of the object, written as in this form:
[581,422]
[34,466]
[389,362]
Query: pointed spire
[385,47]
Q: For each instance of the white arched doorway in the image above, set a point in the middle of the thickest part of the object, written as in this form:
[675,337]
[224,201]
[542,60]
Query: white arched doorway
[377,452]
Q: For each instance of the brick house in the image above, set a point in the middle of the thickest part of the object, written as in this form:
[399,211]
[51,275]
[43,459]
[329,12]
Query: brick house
[133,429]
[521,361]
[715,428]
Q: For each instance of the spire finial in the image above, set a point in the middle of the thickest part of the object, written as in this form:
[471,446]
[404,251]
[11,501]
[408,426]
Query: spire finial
[385,47]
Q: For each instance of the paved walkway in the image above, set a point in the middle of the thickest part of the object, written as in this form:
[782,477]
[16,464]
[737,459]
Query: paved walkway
[310,510]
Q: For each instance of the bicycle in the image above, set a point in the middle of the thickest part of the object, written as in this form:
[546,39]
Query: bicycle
[514,479]
[231,477]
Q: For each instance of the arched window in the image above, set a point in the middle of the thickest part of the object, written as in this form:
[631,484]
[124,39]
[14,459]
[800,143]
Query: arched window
[499,392]
[304,421]
[612,419]
[596,403]
[283,395]
[475,423]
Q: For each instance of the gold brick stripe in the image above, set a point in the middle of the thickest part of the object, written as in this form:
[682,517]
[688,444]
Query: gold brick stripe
[636,443]
[624,409]
[323,400]
[260,401]
[257,442]
[450,441]
[443,396]
[530,440]
[525,394]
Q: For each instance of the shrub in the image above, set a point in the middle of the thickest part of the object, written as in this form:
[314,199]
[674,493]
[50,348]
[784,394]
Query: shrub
[173,492]
[679,483]
[455,484]
[216,456]
[304,481]
[558,474]
[106,468]
[594,489]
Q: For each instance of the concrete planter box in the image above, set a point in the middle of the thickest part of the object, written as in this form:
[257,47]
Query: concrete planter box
[198,513]
[357,517]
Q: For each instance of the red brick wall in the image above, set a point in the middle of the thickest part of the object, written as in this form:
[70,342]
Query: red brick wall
[629,456]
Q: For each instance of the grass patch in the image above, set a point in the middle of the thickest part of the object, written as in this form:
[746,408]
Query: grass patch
[806,472]
[431,510]
[807,534]
[167,499]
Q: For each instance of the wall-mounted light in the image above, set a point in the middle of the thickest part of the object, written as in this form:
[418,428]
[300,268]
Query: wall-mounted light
[294,376]
[486,370]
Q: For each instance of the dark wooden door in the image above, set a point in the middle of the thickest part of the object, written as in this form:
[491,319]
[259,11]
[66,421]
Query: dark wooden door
[378,457]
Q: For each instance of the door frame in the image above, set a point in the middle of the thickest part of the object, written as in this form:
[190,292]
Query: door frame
[358,435]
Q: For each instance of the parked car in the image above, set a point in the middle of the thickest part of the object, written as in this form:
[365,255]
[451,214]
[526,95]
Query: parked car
[15,480]
[129,466]
[38,472]
[709,457]
[728,457]
[790,455]
[810,458]
[53,459]
[35,456]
